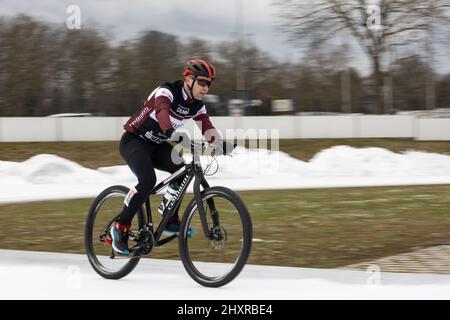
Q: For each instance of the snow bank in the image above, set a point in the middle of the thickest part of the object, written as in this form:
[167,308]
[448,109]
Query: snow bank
[46,176]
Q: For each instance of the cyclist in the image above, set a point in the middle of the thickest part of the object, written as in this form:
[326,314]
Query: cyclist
[145,145]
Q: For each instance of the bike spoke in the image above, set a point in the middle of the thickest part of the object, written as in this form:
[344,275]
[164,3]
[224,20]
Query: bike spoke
[216,255]
[105,261]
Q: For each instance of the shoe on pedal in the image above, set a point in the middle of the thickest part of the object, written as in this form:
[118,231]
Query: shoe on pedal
[119,234]
[173,227]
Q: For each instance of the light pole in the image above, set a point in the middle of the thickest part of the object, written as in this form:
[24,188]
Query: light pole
[240,76]
[430,94]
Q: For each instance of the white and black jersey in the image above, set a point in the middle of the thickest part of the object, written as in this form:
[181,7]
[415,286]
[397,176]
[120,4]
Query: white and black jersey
[167,108]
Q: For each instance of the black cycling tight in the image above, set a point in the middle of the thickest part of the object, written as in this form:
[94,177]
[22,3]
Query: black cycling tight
[143,157]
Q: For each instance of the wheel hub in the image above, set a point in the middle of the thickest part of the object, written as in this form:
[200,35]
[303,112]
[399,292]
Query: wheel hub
[218,237]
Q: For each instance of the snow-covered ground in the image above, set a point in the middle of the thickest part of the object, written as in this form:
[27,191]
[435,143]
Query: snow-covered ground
[33,275]
[39,275]
[47,177]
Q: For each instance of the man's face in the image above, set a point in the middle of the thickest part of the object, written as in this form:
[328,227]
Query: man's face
[201,86]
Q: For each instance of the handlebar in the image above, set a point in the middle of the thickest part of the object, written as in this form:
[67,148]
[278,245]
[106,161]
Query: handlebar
[196,144]
[221,147]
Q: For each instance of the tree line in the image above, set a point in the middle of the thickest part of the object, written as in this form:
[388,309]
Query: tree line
[47,69]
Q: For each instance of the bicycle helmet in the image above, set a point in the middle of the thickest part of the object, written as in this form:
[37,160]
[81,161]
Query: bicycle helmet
[199,67]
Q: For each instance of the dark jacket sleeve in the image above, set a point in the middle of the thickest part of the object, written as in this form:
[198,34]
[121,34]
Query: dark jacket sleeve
[162,107]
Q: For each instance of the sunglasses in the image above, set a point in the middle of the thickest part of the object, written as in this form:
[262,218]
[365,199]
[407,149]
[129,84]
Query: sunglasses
[203,82]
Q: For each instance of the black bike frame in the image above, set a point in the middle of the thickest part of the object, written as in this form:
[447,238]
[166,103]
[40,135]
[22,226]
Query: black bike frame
[190,171]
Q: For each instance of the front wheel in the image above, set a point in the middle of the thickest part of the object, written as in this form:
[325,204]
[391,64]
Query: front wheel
[216,258]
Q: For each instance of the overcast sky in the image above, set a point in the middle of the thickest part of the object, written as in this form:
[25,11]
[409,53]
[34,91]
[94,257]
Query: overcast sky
[208,20]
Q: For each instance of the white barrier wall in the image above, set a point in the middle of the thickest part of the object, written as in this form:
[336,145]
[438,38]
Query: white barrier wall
[27,129]
[289,127]
[433,129]
[286,125]
[385,126]
[326,127]
[89,128]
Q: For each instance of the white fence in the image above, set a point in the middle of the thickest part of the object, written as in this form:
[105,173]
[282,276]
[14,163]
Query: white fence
[290,127]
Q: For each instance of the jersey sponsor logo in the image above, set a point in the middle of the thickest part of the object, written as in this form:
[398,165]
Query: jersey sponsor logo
[154,138]
[130,196]
[141,116]
[182,110]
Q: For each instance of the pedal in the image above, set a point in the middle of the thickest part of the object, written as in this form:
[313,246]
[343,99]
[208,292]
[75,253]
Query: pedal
[107,241]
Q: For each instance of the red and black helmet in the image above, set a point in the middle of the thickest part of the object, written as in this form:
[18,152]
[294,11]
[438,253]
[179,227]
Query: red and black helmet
[199,67]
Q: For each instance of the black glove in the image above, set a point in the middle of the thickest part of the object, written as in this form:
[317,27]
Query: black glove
[169,133]
[223,147]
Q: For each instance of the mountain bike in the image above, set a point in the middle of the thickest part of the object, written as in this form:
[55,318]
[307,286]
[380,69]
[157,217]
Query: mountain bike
[215,235]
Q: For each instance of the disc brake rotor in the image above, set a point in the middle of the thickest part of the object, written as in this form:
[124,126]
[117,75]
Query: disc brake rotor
[219,237]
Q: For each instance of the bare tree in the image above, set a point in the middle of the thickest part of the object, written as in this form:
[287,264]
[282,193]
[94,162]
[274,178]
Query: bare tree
[195,48]
[24,65]
[375,25]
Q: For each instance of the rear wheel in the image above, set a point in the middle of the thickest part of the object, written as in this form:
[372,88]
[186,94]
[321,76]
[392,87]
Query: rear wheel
[102,213]
[215,259]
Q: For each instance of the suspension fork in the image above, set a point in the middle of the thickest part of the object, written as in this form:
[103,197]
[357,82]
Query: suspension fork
[201,181]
